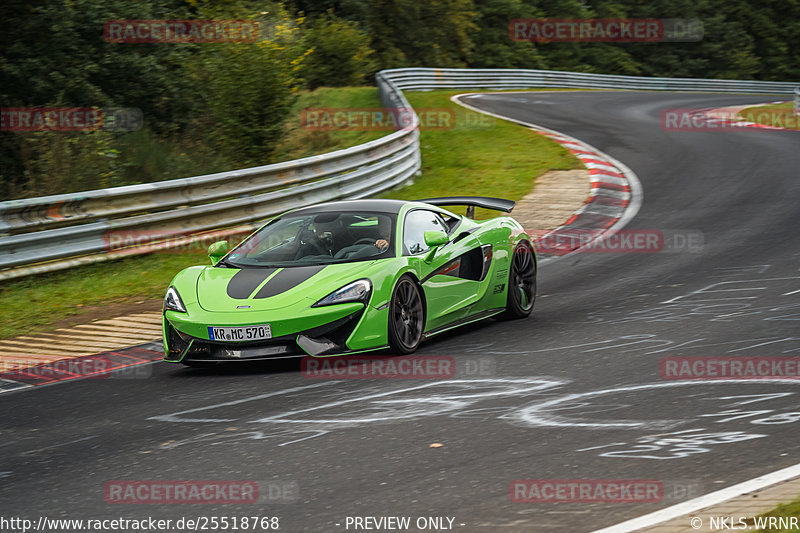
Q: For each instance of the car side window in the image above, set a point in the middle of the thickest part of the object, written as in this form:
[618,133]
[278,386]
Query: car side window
[417,223]
[450,222]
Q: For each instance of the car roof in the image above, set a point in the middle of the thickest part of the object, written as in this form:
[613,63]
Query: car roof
[368,205]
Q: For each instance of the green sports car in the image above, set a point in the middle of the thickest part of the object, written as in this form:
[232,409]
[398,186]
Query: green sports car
[350,276]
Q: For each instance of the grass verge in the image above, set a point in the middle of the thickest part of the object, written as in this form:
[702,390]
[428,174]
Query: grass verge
[473,154]
[30,304]
[479,156]
[301,141]
[778,115]
[785,511]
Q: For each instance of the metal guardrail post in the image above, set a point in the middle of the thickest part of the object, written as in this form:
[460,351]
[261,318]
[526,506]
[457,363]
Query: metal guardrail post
[797,101]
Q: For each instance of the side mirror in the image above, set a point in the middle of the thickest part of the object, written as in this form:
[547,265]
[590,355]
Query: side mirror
[434,239]
[217,251]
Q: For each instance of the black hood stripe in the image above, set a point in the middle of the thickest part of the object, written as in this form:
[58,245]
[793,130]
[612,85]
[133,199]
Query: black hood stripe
[286,279]
[244,282]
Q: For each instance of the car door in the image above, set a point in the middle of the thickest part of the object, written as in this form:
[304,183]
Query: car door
[452,279]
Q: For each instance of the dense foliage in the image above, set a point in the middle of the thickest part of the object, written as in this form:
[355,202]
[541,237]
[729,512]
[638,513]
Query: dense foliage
[210,107]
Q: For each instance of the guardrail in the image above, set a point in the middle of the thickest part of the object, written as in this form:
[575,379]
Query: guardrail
[797,101]
[415,79]
[55,232]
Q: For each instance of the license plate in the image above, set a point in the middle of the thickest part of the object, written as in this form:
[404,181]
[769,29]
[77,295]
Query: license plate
[240,334]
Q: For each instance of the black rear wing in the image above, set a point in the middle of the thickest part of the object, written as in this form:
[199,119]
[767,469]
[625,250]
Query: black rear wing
[498,204]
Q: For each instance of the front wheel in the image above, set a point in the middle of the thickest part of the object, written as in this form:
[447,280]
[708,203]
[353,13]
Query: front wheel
[406,316]
[521,282]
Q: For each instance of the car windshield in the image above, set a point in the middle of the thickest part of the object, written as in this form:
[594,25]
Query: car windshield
[317,238]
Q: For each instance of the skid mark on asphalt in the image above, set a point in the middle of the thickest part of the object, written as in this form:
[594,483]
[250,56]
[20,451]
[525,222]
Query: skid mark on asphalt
[770,299]
[705,415]
[343,409]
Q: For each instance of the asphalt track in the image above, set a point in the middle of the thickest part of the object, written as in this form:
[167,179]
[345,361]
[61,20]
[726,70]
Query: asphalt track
[582,373]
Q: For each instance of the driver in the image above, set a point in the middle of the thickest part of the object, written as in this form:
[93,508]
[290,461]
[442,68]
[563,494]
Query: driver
[326,232]
[384,230]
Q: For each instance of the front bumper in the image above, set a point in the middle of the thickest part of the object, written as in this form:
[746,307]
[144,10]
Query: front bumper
[326,332]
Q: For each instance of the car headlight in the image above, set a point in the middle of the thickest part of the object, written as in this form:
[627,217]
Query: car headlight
[172,301]
[357,291]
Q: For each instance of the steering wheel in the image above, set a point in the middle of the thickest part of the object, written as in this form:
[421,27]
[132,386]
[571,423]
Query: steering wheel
[365,240]
[310,238]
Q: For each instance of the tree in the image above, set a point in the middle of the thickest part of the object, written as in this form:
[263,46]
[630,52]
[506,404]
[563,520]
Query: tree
[493,47]
[245,91]
[434,33]
[339,54]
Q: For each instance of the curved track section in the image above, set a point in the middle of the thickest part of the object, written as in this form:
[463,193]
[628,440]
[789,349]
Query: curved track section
[615,198]
[576,392]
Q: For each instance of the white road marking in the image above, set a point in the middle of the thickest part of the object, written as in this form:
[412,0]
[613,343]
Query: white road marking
[702,502]
[81,340]
[127,324]
[37,450]
[105,335]
[22,345]
[542,415]
[115,331]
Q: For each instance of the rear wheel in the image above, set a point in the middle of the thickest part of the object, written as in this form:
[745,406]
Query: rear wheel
[406,316]
[521,283]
